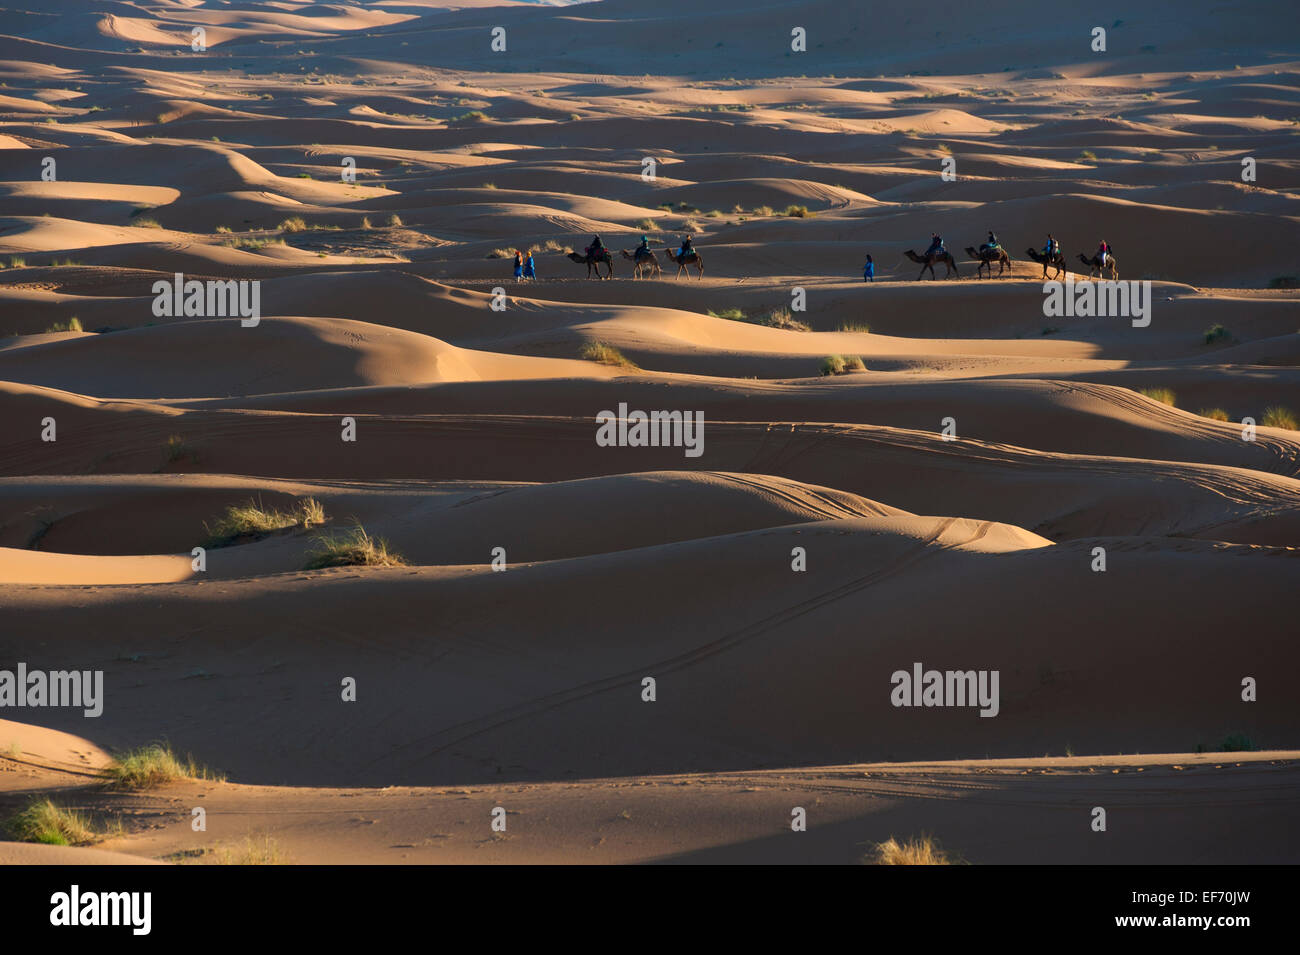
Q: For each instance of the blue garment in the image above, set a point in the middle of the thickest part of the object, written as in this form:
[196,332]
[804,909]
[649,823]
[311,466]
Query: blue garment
[869,272]
[529,271]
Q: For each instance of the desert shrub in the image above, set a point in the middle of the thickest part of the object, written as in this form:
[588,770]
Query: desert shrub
[352,548]
[45,822]
[606,354]
[251,521]
[832,365]
[1163,395]
[918,851]
[154,765]
[1278,417]
[1216,333]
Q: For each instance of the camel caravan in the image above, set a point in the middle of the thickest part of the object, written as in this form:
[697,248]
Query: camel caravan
[645,263]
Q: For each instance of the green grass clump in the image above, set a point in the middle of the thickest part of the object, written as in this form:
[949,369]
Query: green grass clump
[606,354]
[1163,395]
[918,851]
[1089,155]
[17,262]
[648,225]
[854,363]
[473,116]
[832,365]
[294,224]
[1216,333]
[154,765]
[250,521]
[862,327]
[797,212]
[146,223]
[1278,417]
[45,822]
[731,314]
[352,548]
[71,325]
[1215,414]
[784,319]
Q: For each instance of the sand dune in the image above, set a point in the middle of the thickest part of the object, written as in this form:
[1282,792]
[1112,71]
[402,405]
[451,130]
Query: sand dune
[924,470]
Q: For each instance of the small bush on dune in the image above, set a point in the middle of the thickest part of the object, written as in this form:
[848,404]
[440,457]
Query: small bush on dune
[606,354]
[45,822]
[146,224]
[295,224]
[797,212]
[1216,333]
[854,363]
[223,230]
[1232,743]
[1216,414]
[252,520]
[176,448]
[394,221]
[17,262]
[764,211]
[832,365]
[352,548]
[264,851]
[155,765]
[732,314]
[473,116]
[500,254]
[919,851]
[1279,417]
[783,318]
[1089,155]
[489,185]
[71,325]
[553,246]
[1163,395]
[365,222]
[648,225]
[861,327]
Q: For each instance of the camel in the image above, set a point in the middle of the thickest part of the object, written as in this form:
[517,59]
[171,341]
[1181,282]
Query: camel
[690,258]
[987,257]
[648,262]
[1096,265]
[928,263]
[591,262]
[1056,261]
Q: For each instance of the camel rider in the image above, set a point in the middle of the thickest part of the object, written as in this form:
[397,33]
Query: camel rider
[643,250]
[936,245]
[1052,247]
[596,248]
[687,248]
[1103,250]
[993,242]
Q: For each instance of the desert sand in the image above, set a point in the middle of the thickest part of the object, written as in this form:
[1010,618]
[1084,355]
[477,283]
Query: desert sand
[907,470]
